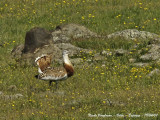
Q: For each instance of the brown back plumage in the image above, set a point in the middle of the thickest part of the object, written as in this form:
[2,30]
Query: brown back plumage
[44,62]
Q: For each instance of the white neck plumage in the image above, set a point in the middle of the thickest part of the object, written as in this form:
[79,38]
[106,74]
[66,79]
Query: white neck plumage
[68,65]
[39,70]
[66,59]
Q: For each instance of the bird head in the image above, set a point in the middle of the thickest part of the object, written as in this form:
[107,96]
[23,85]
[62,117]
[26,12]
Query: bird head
[65,52]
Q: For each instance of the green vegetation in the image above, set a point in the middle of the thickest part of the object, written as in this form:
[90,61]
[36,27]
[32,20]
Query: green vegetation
[87,90]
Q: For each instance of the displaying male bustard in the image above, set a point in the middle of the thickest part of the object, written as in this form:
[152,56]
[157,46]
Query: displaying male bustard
[43,62]
[54,74]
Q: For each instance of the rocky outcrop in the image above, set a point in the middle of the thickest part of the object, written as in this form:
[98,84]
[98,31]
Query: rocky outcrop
[55,50]
[135,34]
[120,52]
[153,44]
[140,64]
[155,71]
[39,41]
[65,33]
[35,38]
[152,54]
[17,51]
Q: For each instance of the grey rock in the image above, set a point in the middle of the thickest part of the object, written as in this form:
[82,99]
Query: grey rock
[12,88]
[76,61]
[103,65]
[39,41]
[99,57]
[59,37]
[35,38]
[17,51]
[134,34]
[18,95]
[53,49]
[106,53]
[132,60]
[64,33]
[158,61]
[146,57]
[140,64]
[155,71]
[154,40]
[6,97]
[1,92]
[152,54]
[120,52]
[71,48]
[131,34]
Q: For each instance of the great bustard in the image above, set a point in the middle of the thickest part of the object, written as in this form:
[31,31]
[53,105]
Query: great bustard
[54,74]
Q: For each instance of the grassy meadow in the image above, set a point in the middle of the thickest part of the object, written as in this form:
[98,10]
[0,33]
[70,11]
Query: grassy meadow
[128,87]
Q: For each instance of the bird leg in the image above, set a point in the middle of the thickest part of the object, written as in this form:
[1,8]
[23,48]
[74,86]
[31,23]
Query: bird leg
[56,84]
[50,82]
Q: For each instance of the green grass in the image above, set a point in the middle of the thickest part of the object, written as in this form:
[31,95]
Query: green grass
[85,92]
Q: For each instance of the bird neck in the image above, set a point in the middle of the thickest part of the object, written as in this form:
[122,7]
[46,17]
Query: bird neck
[68,66]
[39,70]
[66,59]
